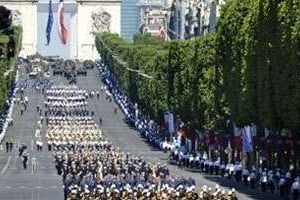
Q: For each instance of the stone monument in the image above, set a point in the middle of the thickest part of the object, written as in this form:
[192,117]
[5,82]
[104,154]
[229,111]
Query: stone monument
[101,21]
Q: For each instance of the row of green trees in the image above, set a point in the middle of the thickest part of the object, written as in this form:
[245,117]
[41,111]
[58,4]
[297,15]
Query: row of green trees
[179,76]
[10,45]
[258,52]
[248,71]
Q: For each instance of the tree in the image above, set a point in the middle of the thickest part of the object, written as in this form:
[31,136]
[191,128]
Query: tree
[5,18]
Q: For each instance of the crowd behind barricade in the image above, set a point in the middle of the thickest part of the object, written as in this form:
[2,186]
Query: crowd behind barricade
[91,168]
[6,112]
[148,129]
[6,116]
[275,180]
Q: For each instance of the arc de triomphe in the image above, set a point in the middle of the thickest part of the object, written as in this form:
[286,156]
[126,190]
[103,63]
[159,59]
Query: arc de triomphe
[82,18]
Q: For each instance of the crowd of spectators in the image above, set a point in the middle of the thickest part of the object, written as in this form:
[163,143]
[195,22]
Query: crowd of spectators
[148,129]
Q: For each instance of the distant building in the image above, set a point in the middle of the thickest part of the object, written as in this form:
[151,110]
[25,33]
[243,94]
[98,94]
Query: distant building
[153,16]
[190,18]
[129,18]
[83,18]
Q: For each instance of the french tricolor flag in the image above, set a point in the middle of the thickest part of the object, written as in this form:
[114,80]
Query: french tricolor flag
[62,30]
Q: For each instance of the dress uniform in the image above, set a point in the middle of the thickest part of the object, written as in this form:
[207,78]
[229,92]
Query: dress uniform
[295,189]
[264,182]
[91,168]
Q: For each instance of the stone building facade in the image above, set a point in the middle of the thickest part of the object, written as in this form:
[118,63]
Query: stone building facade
[83,19]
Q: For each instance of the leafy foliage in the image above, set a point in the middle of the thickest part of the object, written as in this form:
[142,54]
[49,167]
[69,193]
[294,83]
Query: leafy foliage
[257,49]
[248,71]
[175,85]
[10,45]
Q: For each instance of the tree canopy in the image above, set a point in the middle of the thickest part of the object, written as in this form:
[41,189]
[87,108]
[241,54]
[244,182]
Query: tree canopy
[10,45]
[247,71]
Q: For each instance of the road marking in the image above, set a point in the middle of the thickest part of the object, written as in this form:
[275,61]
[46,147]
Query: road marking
[38,187]
[23,187]
[6,165]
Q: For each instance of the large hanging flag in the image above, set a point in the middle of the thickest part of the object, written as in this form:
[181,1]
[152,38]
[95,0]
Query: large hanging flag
[62,30]
[49,23]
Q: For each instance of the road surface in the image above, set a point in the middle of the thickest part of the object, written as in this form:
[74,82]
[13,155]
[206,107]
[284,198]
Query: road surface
[16,183]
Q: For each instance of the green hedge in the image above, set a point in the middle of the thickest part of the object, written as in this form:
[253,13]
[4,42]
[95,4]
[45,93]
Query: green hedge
[10,45]
[248,71]
[183,77]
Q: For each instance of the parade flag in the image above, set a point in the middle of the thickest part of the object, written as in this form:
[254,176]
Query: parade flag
[62,30]
[169,122]
[171,126]
[166,119]
[49,23]
[247,139]
[229,145]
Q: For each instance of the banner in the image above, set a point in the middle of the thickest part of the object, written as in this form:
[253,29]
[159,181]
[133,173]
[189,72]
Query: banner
[169,122]
[247,139]
[171,127]
[62,30]
[49,23]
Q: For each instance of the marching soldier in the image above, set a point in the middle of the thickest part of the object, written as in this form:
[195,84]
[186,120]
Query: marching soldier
[7,146]
[25,159]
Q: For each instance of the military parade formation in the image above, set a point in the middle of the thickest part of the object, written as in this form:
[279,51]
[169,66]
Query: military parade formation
[91,168]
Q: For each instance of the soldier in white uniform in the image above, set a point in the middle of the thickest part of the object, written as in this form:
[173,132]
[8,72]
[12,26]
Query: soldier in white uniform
[191,161]
[264,181]
[295,189]
[281,185]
